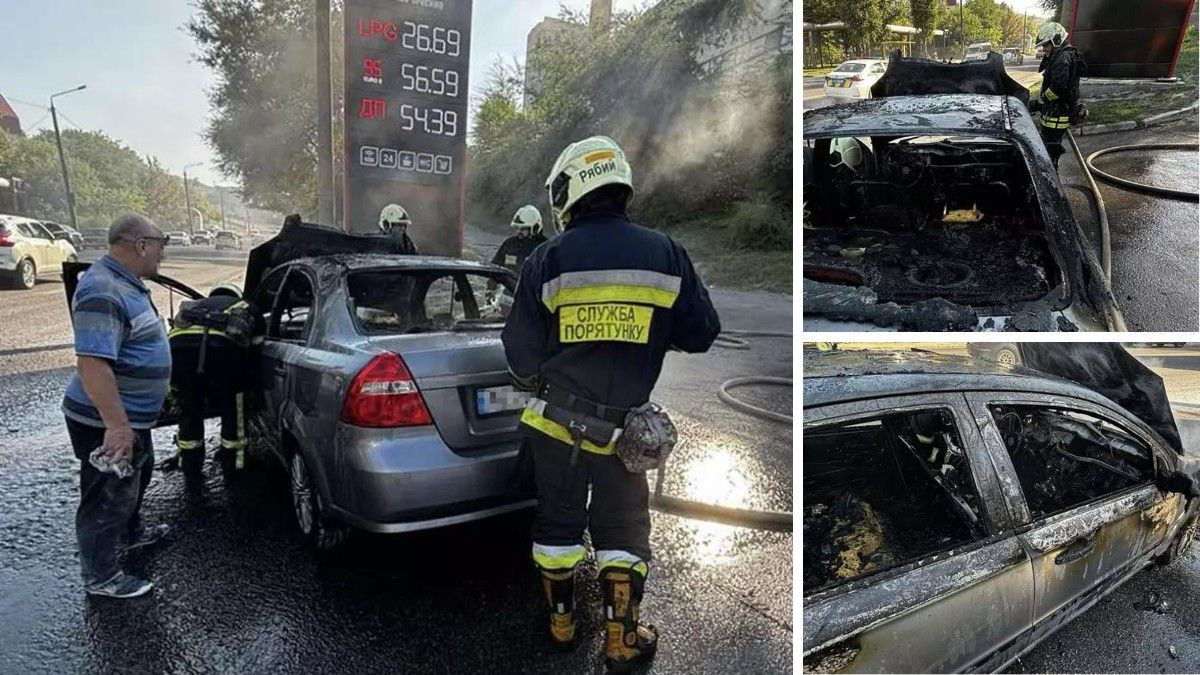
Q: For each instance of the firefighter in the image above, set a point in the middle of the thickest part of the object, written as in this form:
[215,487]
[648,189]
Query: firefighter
[1059,98]
[394,222]
[212,346]
[596,310]
[527,222]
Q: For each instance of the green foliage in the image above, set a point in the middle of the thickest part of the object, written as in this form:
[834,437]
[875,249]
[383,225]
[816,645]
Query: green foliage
[760,225]
[263,125]
[696,144]
[108,179]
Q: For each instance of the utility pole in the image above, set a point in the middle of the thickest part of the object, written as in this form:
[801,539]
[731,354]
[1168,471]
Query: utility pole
[324,121]
[221,195]
[962,29]
[187,197]
[62,158]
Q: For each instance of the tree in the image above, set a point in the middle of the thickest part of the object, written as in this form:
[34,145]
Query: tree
[927,16]
[263,127]
[983,19]
[1012,27]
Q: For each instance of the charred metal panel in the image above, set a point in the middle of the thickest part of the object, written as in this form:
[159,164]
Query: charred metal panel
[937,617]
[1120,38]
[906,77]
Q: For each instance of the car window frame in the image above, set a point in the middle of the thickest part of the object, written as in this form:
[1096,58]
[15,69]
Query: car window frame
[1023,520]
[281,273]
[994,514]
[292,272]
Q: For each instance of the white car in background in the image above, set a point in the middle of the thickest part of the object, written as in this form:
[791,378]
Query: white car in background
[179,238]
[28,249]
[854,78]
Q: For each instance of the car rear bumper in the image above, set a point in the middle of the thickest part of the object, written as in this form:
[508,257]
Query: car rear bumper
[389,480]
[848,92]
[8,263]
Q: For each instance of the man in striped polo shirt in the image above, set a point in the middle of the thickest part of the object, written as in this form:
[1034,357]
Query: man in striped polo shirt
[113,400]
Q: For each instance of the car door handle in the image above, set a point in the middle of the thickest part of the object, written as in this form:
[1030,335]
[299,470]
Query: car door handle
[1077,550]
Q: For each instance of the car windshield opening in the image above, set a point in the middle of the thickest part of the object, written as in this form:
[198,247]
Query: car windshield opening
[397,302]
[914,218]
[883,492]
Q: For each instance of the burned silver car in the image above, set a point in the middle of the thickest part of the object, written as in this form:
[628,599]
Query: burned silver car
[957,512]
[928,210]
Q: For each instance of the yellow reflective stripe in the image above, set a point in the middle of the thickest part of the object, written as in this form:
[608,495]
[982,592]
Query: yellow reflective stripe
[189,445]
[557,557]
[646,295]
[640,566]
[558,432]
[1050,95]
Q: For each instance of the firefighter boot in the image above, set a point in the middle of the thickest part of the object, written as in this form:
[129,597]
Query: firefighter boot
[559,585]
[191,457]
[627,643]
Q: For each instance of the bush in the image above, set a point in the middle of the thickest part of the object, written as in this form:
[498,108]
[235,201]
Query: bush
[760,225]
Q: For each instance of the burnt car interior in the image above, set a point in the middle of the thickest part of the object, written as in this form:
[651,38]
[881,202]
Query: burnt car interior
[884,492]
[397,302]
[919,217]
[1066,458]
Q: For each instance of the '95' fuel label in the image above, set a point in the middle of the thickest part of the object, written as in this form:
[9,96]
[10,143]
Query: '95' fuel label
[604,322]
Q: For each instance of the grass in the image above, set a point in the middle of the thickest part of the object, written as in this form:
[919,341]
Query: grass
[817,72]
[724,266]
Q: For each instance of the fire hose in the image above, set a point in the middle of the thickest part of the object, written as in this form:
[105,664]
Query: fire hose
[1142,187]
[1118,321]
[780,521]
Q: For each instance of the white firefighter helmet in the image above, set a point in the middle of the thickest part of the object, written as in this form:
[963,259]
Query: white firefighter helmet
[581,168]
[847,152]
[225,288]
[393,214]
[527,216]
[1051,32]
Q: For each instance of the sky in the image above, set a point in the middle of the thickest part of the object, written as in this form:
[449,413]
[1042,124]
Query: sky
[144,86]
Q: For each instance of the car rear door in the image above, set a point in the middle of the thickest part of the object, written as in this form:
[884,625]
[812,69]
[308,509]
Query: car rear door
[951,609]
[1084,526]
[32,244]
[271,364]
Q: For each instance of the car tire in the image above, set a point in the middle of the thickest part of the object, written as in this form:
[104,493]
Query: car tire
[308,510]
[26,274]
[1183,541]
[1007,356]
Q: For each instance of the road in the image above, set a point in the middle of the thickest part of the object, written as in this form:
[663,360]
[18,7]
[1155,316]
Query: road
[238,592]
[1154,240]
[1117,635]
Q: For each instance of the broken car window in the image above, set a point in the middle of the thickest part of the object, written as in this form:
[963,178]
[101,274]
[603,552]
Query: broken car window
[916,218]
[884,492]
[1064,458]
[407,301]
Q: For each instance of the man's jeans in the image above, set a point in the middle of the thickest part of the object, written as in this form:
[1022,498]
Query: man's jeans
[108,505]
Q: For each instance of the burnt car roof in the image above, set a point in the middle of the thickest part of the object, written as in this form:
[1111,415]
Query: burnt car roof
[961,114]
[905,76]
[360,261]
[847,375]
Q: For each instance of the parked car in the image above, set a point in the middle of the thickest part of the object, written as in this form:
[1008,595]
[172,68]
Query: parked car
[931,209]
[1014,56]
[227,239]
[853,79]
[957,513]
[1177,345]
[383,389]
[1004,353]
[202,238]
[1040,52]
[178,238]
[95,237]
[66,233]
[28,249]
[978,51]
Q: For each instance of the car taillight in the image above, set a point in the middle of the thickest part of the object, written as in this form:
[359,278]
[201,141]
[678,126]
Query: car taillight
[384,395]
[6,239]
[857,78]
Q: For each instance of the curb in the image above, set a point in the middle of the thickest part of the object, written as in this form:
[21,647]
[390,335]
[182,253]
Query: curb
[1130,125]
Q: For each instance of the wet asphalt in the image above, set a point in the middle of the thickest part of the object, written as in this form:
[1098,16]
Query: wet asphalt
[238,591]
[1155,241]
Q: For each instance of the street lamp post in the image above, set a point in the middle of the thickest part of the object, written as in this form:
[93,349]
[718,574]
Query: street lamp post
[62,158]
[187,197]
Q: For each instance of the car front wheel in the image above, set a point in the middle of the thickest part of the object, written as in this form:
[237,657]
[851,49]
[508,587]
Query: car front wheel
[1006,356]
[26,274]
[308,510]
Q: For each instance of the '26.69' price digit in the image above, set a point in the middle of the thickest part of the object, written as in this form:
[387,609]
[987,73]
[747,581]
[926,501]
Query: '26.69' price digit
[432,39]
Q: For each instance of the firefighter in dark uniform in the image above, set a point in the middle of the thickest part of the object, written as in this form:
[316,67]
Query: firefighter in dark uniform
[596,310]
[210,367]
[1058,101]
[394,222]
[513,251]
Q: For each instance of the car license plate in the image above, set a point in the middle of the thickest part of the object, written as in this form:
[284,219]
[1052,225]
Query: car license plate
[497,400]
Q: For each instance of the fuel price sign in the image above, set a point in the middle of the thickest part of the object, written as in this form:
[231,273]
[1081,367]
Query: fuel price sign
[406,116]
